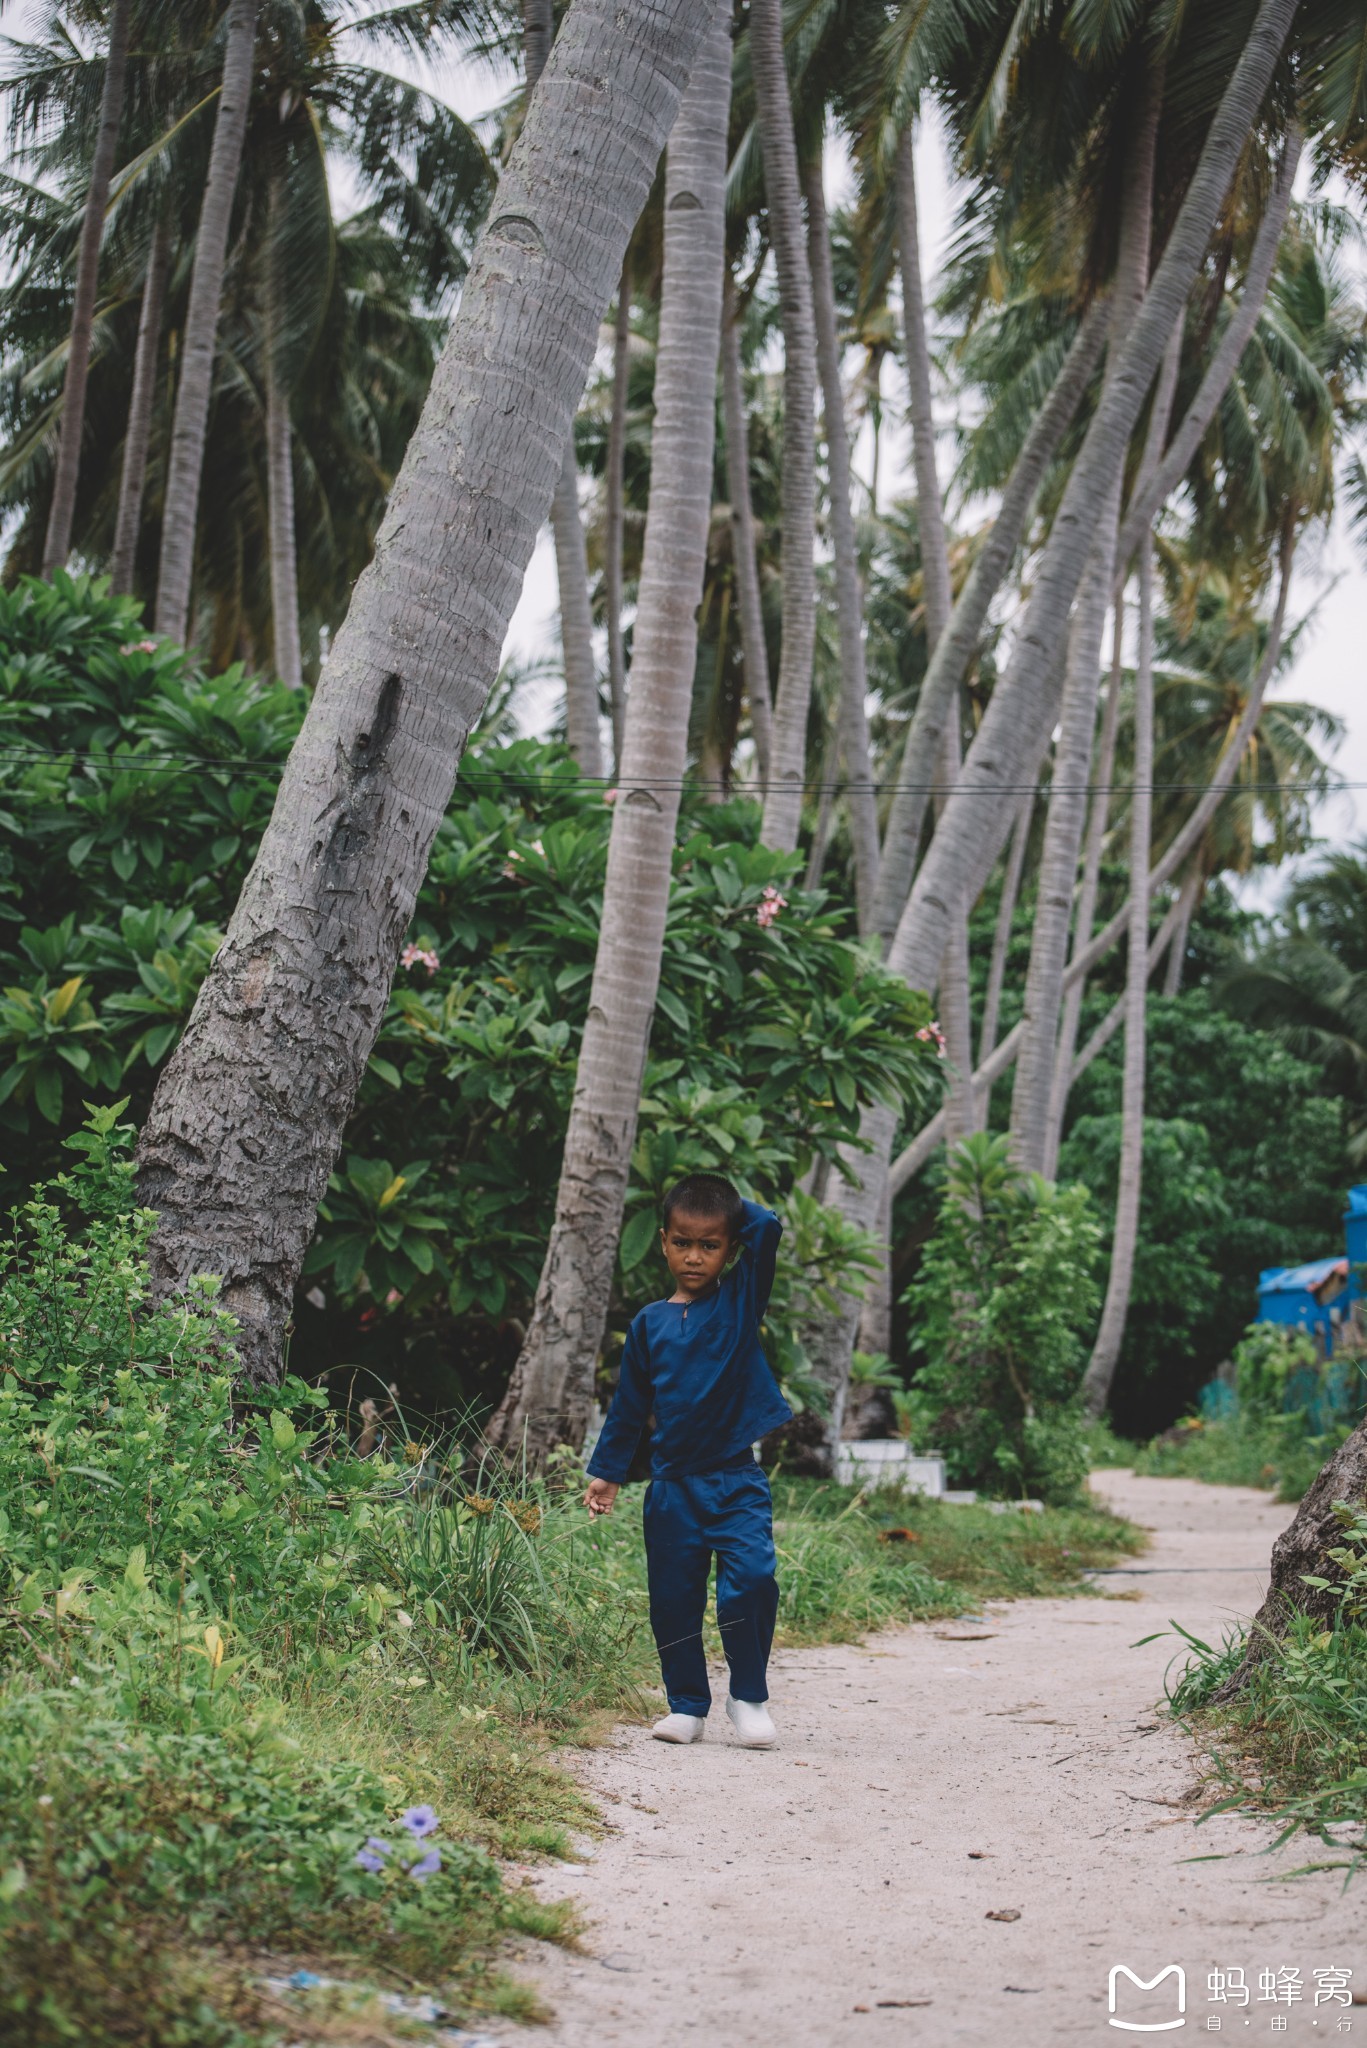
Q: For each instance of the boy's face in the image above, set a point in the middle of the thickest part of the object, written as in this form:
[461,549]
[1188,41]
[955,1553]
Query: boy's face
[695,1248]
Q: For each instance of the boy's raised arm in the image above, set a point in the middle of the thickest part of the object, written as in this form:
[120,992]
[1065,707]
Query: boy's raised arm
[759,1236]
[628,1413]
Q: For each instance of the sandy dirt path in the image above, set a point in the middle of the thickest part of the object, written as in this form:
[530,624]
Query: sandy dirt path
[839,1888]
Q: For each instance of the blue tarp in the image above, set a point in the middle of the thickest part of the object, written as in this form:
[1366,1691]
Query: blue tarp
[1301,1279]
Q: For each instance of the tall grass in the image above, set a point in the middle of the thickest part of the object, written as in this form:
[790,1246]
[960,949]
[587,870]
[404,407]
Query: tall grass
[1295,1743]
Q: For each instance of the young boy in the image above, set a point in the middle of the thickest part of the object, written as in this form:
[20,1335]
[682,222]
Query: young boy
[695,1363]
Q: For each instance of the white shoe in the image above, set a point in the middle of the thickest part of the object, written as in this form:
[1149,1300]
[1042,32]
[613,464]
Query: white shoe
[751,1722]
[680,1728]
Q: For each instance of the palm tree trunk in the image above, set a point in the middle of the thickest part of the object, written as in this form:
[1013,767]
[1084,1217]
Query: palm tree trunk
[1160,416]
[1097,817]
[567,527]
[576,621]
[1058,858]
[138,435]
[551,1391]
[1096,1383]
[1304,1579]
[180,509]
[62,510]
[754,648]
[289,661]
[821,830]
[1192,890]
[1021,713]
[1002,1057]
[783,193]
[939,595]
[1225,361]
[953,655]
[249,1111]
[1115,1016]
[860,798]
[1033,1090]
[615,521]
[1001,941]
[875,1314]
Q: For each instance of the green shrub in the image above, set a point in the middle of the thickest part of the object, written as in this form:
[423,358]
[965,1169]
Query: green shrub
[1265,1361]
[1005,1295]
[133,791]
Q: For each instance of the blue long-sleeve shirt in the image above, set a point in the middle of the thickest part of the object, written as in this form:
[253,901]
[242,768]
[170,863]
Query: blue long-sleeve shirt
[699,1368]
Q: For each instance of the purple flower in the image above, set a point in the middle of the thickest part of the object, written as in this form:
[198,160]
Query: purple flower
[368,1859]
[426,1866]
[419,1820]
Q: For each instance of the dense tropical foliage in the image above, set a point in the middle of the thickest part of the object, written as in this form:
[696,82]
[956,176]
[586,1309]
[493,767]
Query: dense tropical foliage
[950,620]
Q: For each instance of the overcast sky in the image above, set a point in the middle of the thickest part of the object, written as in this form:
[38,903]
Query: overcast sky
[1332,581]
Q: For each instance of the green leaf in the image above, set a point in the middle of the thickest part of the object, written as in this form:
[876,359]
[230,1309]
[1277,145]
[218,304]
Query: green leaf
[672,1007]
[637,1238]
[47,1093]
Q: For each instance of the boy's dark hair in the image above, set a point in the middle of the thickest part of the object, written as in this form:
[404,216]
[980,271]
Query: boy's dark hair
[705,1194]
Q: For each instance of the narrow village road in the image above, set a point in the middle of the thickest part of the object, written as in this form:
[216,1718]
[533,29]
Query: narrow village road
[841,1888]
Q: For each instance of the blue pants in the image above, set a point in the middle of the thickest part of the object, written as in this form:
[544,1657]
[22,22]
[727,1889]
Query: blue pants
[686,1521]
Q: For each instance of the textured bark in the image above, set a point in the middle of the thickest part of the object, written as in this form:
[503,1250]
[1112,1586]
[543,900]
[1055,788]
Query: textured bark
[875,1313]
[860,798]
[138,434]
[71,432]
[910,1161]
[1191,893]
[1098,815]
[955,1011]
[821,830]
[184,474]
[1301,1552]
[576,620]
[615,521]
[1096,1381]
[953,655]
[1238,333]
[1020,713]
[551,1391]
[1160,416]
[783,197]
[930,518]
[567,527]
[1001,944]
[1032,1094]
[1115,1016]
[754,648]
[289,661]
[250,1109]
[1059,854]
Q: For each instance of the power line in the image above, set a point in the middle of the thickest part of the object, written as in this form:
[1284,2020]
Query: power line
[552,780]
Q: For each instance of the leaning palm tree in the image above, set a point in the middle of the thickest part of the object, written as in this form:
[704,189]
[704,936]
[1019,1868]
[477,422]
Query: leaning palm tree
[1015,730]
[551,1391]
[275,1051]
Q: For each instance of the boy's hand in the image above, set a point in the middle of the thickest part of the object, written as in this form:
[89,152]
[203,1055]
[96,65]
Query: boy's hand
[600,1496]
